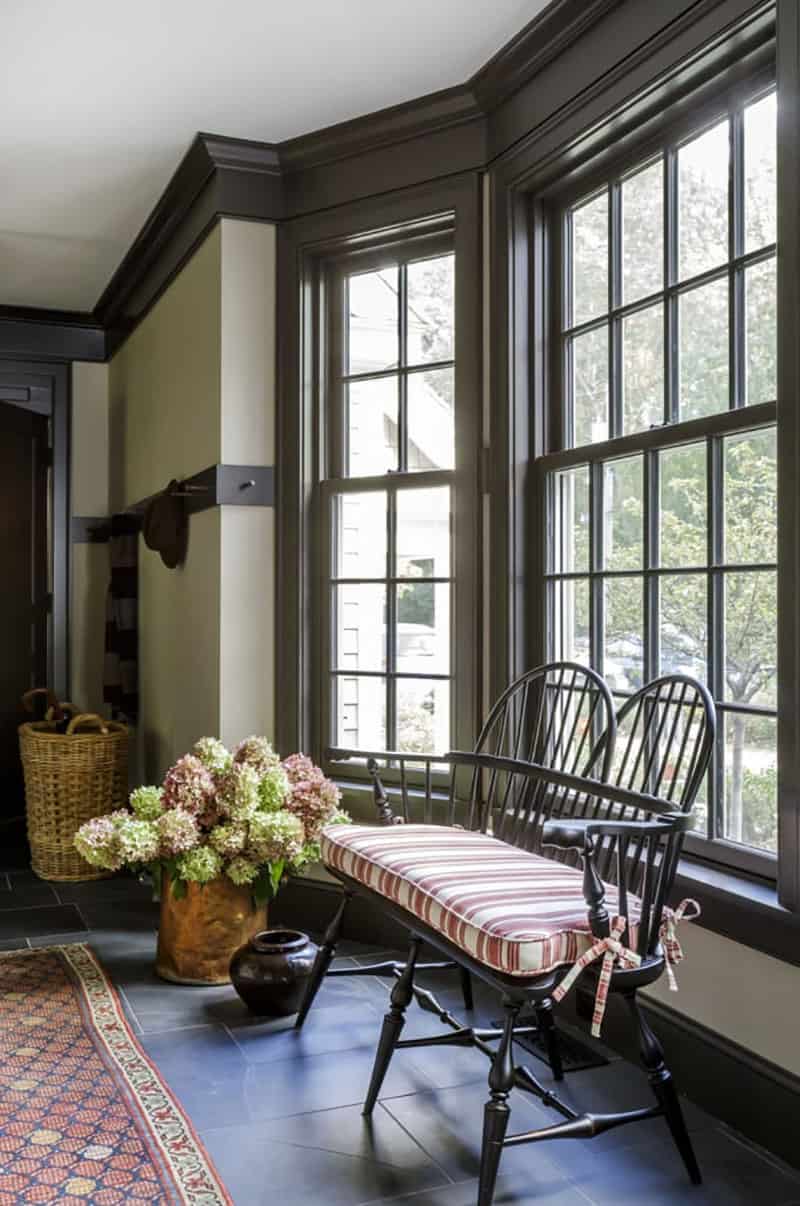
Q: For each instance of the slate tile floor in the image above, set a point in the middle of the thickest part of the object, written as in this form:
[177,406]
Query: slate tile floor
[280,1112]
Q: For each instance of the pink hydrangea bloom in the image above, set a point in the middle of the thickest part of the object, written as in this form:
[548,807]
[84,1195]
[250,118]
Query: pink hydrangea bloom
[312,797]
[178,831]
[189,785]
[256,752]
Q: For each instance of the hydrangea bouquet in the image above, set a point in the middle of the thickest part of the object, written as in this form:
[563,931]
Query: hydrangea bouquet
[245,814]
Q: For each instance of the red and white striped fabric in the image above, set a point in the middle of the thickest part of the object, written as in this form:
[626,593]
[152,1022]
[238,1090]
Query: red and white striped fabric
[515,912]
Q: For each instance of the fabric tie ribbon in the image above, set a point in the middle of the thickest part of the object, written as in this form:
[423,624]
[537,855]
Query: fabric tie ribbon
[611,951]
[669,936]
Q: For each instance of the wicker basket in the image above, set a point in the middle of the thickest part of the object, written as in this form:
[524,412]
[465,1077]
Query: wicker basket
[70,778]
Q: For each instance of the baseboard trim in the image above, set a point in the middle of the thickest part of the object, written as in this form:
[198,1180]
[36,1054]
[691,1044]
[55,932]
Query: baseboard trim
[758,1098]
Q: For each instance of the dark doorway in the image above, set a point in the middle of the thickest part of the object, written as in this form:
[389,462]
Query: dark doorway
[25,595]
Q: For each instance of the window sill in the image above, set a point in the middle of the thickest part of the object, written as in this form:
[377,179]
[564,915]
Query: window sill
[743,909]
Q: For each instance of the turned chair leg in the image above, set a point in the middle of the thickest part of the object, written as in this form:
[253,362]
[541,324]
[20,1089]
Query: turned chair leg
[400,998]
[660,1077]
[497,1111]
[466,988]
[547,1027]
[324,958]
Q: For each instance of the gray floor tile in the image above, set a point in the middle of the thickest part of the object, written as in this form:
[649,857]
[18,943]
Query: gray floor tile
[335,1160]
[13,944]
[510,1191]
[25,890]
[40,919]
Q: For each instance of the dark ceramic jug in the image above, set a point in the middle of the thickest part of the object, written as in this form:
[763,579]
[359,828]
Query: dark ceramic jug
[270,971]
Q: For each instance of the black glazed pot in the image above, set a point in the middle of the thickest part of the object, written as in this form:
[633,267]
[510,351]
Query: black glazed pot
[270,971]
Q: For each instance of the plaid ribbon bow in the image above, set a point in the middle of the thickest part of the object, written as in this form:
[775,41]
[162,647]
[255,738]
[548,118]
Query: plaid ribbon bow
[611,951]
[669,937]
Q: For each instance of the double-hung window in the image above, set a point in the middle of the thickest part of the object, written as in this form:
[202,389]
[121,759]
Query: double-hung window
[660,476]
[388,499]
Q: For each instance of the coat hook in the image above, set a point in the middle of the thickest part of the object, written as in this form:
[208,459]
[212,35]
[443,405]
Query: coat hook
[247,485]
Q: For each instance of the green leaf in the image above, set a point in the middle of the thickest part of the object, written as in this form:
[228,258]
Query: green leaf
[276,875]
[178,888]
[262,887]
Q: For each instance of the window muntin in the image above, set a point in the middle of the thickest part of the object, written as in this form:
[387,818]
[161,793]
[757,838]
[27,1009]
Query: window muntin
[389,505]
[669,290]
[662,550]
[398,380]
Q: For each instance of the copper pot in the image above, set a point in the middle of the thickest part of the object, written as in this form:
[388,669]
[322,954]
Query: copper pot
[199,933]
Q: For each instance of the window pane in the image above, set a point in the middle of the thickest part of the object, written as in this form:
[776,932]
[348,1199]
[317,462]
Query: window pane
[623,508]
[569,629]
[360,535]
[589,260]
[373,321]
[589,371]
[683,506]
[359,708]
[569,551]
[359,627]
[431,310]
[751,781]
[423,716]
[704,350]
[422,643]
[624,634]
[761,317]
[431,430]
[751,497]
[372,409]
[643,233]
[423,533]
[703,202]
[760,156]
[643,369]
[750,639]
[684,625]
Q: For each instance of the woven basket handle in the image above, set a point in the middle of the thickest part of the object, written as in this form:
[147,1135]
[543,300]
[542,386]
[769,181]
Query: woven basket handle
[84,718]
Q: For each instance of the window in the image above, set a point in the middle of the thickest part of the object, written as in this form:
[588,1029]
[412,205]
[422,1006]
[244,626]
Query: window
[389,499]
[661,479]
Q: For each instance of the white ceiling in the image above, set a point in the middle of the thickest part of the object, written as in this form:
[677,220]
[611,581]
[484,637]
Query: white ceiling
[100,99]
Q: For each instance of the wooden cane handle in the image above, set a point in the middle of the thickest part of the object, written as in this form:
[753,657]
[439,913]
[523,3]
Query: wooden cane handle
[86,718]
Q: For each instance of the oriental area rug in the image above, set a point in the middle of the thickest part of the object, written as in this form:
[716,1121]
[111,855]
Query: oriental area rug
[84,1114]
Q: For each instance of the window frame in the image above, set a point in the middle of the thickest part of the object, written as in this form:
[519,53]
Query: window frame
[547,217]
[418,238]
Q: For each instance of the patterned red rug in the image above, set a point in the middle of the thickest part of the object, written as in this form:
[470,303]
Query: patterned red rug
[84,1115]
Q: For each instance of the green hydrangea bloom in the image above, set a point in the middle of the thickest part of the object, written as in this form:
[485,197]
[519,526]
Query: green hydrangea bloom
[273,789]
[241,870]
[213,754]
[138,840]
[199,866]
[228,838]
[146,803]
[275,836]
[237,796]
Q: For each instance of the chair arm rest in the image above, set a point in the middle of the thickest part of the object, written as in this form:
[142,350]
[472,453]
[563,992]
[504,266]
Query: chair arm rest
[577,833]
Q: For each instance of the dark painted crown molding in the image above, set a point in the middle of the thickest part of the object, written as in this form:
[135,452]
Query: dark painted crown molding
[50,334]
[541,41]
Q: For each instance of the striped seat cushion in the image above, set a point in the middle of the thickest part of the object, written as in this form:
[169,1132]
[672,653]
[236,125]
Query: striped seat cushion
[515,912]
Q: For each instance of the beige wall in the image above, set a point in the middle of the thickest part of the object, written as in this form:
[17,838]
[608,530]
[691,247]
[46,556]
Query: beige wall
[89,567]
[194,385]
[165,384]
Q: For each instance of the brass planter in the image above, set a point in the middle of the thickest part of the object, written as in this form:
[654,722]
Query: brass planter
[199,933]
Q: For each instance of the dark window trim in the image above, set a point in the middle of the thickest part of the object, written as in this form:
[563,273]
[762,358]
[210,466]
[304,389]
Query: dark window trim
[526,183]
[52,383]
[727,105]
[305,246]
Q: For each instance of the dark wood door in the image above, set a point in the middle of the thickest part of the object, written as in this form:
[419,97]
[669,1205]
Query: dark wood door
[23,582]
